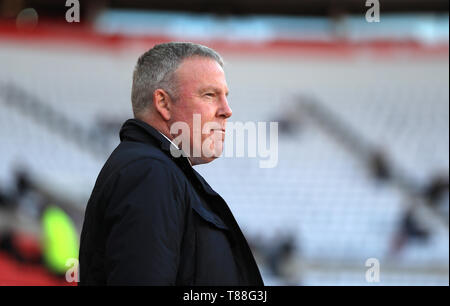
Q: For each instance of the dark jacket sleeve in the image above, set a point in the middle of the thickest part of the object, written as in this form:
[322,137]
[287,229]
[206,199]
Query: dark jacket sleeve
[145,221]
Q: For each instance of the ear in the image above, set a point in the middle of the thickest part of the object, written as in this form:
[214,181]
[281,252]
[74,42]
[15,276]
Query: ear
[162,103]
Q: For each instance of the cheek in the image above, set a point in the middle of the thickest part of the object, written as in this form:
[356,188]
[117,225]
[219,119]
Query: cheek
[184,115]
[196,115]
[208,114]
[199,116]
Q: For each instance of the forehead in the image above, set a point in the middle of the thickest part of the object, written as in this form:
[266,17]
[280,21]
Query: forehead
[198,72]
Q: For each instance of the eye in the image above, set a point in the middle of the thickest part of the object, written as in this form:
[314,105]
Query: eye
[210,94]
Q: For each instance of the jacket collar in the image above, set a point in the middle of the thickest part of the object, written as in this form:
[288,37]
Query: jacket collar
[139,131]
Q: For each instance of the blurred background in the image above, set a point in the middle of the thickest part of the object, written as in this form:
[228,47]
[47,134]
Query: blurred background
[362,107]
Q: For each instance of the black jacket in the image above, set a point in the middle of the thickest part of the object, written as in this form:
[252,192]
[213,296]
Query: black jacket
[153,220]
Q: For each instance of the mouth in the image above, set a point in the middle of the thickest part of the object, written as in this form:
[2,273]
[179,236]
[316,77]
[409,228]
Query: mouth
[219,130]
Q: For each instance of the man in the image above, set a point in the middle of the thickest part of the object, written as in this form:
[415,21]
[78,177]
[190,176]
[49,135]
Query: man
[151,218]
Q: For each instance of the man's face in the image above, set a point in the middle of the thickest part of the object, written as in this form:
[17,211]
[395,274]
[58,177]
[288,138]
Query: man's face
[202,91]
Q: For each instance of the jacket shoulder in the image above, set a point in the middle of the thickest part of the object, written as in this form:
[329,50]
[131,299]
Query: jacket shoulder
[133,158]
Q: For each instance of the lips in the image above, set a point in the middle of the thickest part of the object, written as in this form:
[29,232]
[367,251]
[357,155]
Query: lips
[219,134]
[219,130]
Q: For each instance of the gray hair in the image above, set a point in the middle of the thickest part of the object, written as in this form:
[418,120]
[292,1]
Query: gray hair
[155,70]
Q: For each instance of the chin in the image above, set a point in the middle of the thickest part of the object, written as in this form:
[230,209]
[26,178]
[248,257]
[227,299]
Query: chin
[202,160]
[209,153]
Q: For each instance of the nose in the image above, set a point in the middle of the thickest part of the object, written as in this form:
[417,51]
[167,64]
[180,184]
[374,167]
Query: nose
[225,110]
